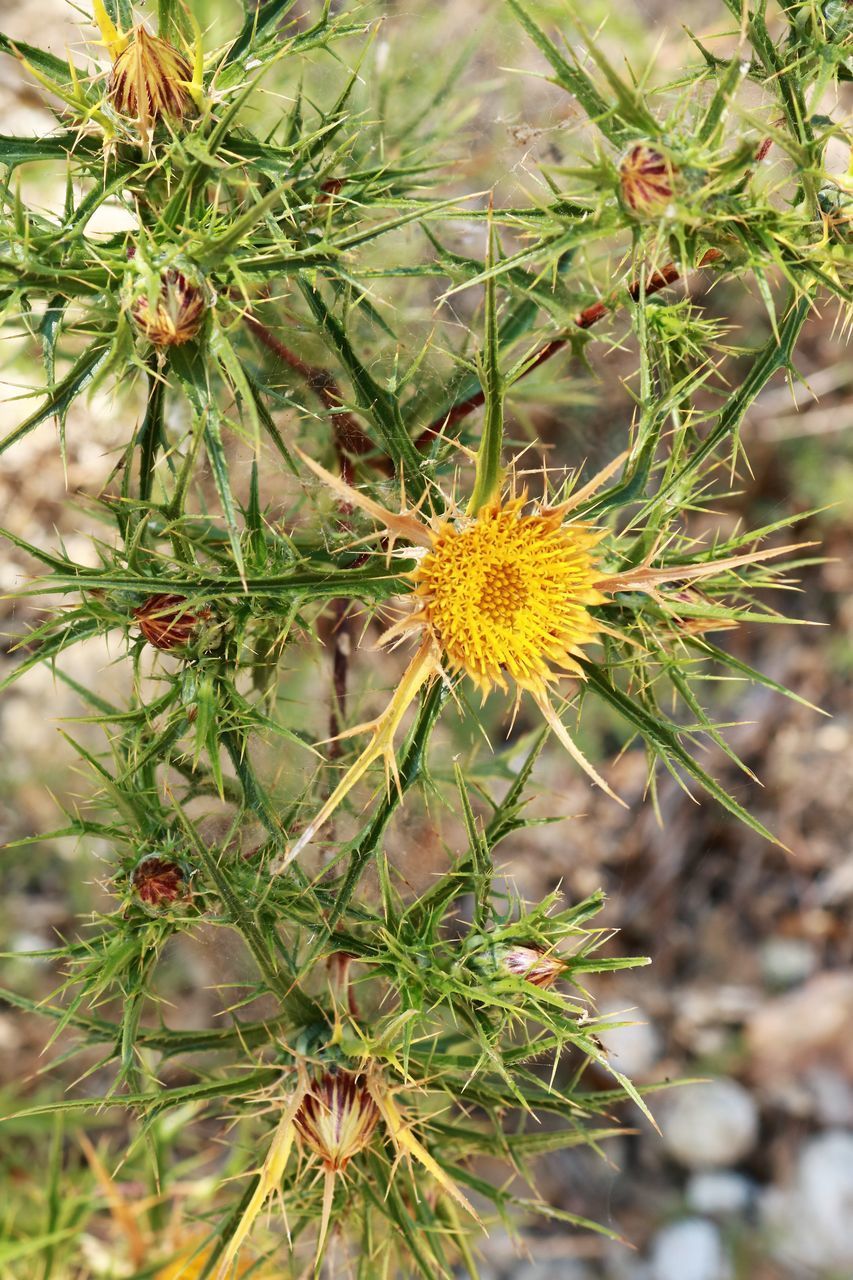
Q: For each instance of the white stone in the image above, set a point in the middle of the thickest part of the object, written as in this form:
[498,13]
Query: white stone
[719,1192]
[810,1223]
[709,1125]
[557,1269]
[10,1035]
[787,961]
[832,1094]
[621,1263]
[689,1250]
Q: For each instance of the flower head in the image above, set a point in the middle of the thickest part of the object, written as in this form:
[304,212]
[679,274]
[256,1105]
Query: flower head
[508,594]
[336,1119]
[646,180]
[150,80]
[335,1116]
[176,315]
[542,968]
[158,881]
[166,623]
[503,593]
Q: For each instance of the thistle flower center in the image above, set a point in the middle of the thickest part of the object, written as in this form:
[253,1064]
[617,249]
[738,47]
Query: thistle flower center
[503,594]
[509,593]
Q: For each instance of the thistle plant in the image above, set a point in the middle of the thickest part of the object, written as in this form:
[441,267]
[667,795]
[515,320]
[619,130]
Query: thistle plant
[307,480]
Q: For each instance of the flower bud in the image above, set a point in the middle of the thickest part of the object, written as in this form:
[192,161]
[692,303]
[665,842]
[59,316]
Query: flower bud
[166,624]
[150,80]
[337,1118]
[176,316]
[158,881]
[539,967]
[646,181]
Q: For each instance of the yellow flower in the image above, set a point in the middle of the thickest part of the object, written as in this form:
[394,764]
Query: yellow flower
[177,314]
[336,1119]
[503,594]
[508,594]
[191,1264]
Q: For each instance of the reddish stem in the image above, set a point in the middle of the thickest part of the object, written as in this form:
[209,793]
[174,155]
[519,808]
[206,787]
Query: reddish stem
[350,439]
[585,320]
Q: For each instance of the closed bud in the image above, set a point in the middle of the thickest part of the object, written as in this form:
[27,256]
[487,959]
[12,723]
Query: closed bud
[542,968]
[150,80]
[176,315]
[158,880]
[166,622]
[646,180]
[336,1119]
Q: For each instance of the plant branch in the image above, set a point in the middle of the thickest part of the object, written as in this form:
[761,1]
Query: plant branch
[659,280]
[350,439]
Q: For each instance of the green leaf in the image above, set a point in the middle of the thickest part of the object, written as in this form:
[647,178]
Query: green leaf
[379,405]
[410,768]
[489,465]
[79,627]
[195,378]
[49,65]
[663,740]
[12,1250]
[172,24]
[774,356]
[64,393]
[258,21]
[572,78]
[15,151]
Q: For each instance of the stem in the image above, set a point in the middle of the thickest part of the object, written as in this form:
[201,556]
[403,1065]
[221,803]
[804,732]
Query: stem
[659,280]
[350,439]
[489,455]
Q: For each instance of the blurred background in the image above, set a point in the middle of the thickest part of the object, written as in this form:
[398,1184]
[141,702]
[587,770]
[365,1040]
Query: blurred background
[751,986]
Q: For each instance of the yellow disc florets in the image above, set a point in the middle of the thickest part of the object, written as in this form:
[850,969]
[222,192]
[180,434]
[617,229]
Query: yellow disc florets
[508,594]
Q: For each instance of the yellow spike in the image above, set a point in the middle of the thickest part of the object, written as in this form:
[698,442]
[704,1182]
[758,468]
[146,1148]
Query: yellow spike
[562,734]
[424,665]
[644,578]
[114,40]
[401,525]
[271,1174]
[196,85]
[407,1144]
[580,495]
[328,1199]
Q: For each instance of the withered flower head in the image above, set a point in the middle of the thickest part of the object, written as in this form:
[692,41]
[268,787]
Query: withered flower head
[542,968]
[166,623]
[159,880]
[337,1118]
[176,316]
[150,80]
[646,180]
